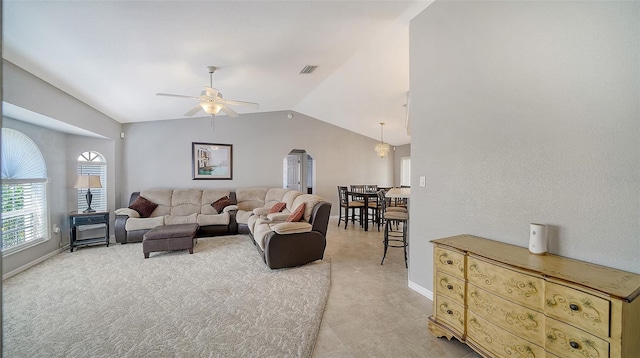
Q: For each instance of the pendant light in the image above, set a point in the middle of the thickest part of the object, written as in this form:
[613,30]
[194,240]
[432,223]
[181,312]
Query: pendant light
[382,148]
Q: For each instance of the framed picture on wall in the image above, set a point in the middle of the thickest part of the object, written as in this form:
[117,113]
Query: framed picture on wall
[211,161]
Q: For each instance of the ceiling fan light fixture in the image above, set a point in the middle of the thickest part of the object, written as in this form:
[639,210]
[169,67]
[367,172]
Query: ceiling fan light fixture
[211,107]
[382,148]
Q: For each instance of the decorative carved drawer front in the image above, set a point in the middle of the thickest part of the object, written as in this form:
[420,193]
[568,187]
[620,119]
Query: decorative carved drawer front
[517,287]
[578,308]
[498,341]
[521,321]
[449,261]
[568,341]
[451,287]
[450,312]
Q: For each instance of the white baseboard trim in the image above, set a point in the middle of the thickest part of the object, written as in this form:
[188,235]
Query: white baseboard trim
[33,263]
[421,290]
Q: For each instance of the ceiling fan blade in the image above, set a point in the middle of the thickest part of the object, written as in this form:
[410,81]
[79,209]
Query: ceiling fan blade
[241,103]
[211,92]
[229,111]
[175,95]
[193,111]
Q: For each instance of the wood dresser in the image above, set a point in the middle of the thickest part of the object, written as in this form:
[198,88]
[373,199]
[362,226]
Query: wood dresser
[503,301]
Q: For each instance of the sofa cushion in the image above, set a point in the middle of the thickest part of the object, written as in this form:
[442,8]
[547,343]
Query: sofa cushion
[275,195]
[143,206]
[297,214]
[133,224]
[283,216]
[186,202]
[162,197]
[311,200]
[242,217]
[213,219]
[220,204]
[261,229]
[291,227]
[277,207]
[289,198]
[210,196]
[250,198]
[180,219]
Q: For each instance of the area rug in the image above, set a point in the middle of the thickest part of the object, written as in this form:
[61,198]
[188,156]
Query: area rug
[222,301]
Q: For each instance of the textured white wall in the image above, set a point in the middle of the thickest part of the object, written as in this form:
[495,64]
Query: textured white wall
[158,154]
[527,112]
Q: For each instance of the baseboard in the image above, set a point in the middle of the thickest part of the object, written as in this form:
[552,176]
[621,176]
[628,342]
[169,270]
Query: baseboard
[421,290]
[33,263]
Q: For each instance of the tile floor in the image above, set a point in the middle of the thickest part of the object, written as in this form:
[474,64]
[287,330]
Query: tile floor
[371,311]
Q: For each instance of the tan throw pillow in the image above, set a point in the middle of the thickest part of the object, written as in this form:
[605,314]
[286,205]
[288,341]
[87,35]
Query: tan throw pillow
[143,206]
[296,215]
[221,203]
[278,207]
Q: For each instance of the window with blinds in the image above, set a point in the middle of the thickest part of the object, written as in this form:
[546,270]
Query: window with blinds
[93,163]
[25,212]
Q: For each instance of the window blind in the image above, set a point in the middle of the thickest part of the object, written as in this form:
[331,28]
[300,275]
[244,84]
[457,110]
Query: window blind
[99,201]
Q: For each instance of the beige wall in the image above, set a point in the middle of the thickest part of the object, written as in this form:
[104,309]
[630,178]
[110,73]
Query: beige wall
[527,112]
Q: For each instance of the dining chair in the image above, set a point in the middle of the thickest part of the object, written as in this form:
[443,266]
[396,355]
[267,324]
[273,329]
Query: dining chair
[393,238]
[347,204]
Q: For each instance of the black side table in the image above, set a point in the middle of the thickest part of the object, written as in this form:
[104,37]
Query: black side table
[81,219]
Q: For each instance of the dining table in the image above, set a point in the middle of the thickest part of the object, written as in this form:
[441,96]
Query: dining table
[398,193]
[356,195]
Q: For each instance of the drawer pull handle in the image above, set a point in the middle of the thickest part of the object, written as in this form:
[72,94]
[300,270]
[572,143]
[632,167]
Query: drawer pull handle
[449,312]
[574,344]
[574,307]
[450,287]
[449,262]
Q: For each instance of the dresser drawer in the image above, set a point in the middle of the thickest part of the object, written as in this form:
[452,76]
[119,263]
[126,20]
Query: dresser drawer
[568,341]
[515,286]
[449,261]
[450,286]
[450,312]
[518,320]
[578,308]
[89,220]
[499,341]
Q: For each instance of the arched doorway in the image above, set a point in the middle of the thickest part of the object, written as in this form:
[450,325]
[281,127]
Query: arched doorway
[298,171]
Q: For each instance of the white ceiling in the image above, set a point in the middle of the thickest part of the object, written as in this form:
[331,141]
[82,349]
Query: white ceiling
[116,55]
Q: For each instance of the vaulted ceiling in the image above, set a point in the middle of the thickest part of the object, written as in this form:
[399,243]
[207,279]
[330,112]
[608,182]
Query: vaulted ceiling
[116,55]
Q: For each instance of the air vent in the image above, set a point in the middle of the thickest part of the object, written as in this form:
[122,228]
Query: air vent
[308,69]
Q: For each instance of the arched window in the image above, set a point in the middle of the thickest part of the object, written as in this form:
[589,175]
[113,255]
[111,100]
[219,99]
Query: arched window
[93,163]
[24,192]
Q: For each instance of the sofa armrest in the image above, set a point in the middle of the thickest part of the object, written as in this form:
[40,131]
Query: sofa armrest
[278,216]
[119,226]
[229,208]
[292,250]
[127,212]
[261,211]
[291,227]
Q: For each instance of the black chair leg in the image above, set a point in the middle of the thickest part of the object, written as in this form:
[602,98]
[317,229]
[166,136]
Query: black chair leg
[386,242]
[404,243]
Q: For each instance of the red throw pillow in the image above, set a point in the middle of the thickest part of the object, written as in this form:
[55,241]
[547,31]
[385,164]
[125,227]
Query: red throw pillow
[278,207]
[221,203]
[296,215]
[143,206]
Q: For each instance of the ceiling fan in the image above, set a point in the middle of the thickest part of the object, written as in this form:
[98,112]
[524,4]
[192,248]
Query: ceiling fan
[211,100]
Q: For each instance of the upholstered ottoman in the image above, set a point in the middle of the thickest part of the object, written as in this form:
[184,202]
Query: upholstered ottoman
[169,238]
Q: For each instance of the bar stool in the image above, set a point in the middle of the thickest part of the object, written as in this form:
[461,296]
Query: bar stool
[397,238]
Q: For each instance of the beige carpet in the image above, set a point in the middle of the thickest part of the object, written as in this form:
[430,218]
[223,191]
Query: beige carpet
[222,301]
